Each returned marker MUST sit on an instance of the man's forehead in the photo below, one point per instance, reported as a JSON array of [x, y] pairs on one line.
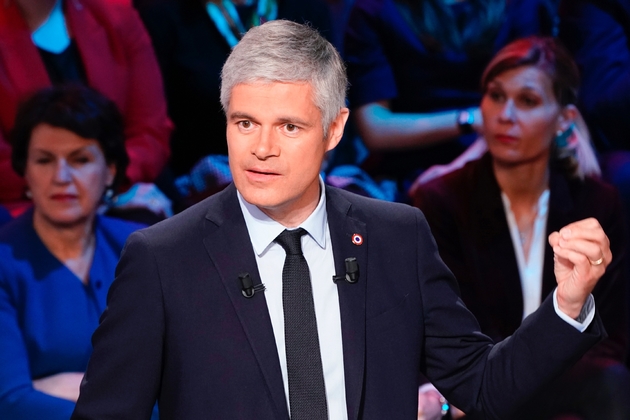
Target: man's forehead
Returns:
[[268, 82], [288, 94]]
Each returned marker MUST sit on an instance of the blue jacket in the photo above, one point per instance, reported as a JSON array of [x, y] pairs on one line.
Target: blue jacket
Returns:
[[47, 315]]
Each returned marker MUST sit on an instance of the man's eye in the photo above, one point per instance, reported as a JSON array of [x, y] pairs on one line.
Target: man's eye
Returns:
[[245, 124], [291, 128]]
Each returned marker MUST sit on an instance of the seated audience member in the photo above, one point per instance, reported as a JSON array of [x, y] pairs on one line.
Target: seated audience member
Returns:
[[57, 259], [99, 43], [192, 39], [491, 219], [597, 32], [414, 67]]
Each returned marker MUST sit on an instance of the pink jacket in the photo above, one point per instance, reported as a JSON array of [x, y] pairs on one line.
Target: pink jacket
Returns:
[[119, 62]]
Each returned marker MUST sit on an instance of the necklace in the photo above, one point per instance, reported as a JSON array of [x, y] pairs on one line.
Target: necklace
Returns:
[[525, 234], [522, 236]]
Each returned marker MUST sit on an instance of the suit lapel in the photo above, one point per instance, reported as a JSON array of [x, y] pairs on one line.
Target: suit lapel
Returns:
[[230, 249], [560, 209], [499, 273], [351, 296]]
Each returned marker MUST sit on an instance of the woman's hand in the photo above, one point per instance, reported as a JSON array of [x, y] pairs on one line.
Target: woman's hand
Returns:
[[62, 385]]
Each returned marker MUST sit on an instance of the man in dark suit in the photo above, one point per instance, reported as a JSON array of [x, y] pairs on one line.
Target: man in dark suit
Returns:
[[180, 328]]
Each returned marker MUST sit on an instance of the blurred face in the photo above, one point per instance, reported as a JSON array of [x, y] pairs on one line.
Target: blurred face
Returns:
[[66, 174], [276, 147], [521, 116]]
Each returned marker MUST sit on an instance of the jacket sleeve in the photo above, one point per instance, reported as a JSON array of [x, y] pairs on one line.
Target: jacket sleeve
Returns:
[[18, 399], [147, 126], [476, 375]]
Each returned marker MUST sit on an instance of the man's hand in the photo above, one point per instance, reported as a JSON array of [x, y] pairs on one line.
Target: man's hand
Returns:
[[581, 255], [62, 385]]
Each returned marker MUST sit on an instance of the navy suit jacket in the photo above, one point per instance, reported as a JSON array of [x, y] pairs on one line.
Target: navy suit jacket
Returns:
[[177, 327]]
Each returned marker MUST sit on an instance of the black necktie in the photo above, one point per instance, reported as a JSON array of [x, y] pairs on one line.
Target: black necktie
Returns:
[[307, 393]]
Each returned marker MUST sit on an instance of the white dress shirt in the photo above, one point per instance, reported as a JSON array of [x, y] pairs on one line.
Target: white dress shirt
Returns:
[[531, 268], [317, 249]]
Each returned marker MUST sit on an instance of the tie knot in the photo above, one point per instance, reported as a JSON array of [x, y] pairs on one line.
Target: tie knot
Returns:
[[291, 241]]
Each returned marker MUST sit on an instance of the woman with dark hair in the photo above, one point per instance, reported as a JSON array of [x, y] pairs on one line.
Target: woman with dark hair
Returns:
[[491, 219], [414, 68], [98, 43], [57, 259]]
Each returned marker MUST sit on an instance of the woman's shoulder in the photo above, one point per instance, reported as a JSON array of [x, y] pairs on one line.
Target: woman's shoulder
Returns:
[[116, 230], [593, 188], [17, 230], [115, 224], [20, 248], [457, 182]]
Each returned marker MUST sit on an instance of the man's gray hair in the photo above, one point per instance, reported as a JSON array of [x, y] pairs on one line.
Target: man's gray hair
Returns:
[[288, 52]]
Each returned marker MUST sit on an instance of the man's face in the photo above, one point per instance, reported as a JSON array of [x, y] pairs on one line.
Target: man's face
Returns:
[[276, 147]]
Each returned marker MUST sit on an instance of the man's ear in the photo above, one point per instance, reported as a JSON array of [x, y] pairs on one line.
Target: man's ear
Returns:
[[335, 130], [567, 117]]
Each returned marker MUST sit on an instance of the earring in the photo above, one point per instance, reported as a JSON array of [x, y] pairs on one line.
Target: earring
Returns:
[[28, 194], [563, 136], [108, 196]]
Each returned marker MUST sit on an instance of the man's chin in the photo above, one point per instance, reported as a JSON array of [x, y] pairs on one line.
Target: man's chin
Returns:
[[262, 198]]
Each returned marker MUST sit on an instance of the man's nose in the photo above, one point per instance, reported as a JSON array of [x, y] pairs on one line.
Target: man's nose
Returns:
[[266, 144]]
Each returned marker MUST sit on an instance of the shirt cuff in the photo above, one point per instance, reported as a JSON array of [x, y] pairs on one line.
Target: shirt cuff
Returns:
[[585, 317]]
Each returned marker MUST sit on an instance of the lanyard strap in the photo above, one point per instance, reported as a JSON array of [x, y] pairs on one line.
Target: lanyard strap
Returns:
[[228, 22]]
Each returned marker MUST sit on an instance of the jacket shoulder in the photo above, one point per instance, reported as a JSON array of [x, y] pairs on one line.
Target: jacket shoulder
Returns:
[[370, 209]]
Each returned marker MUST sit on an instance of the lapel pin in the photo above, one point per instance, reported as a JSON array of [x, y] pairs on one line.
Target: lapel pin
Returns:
[[357, 239]]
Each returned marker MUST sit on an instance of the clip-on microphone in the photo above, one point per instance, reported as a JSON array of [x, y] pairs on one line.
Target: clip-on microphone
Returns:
[[352, 271], [247, 285]]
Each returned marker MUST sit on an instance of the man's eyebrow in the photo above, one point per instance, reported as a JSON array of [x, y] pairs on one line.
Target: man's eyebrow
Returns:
[[295, 120], [237, 115]]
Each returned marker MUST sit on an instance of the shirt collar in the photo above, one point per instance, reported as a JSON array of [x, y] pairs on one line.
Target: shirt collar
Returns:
[[263, 229]]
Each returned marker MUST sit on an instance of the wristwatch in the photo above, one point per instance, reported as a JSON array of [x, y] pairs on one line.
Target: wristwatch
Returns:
[[465, 121]]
